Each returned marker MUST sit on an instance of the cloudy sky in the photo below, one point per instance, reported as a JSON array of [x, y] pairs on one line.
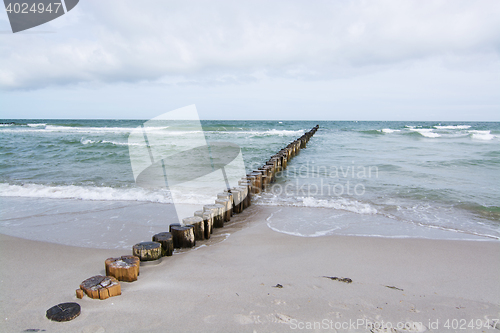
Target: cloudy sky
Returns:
[[317, 60]]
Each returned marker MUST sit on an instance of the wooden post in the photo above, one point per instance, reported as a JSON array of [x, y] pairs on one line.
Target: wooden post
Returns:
[[227, 196], [227, 207], [124, 268], [253, 180], [284, 160], [218, 213], [62, 312], [264, 182], [248, 191], [263, 177], [238, 196], [147, 251], [269, 169], [183, 236], [166, 241], [276, 163], [101, 287], [199, 226], [174, 225], [208, 221], [257, 188]]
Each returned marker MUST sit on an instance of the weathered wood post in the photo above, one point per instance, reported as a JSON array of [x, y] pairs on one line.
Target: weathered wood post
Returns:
[[247, 185], [166, 241], [208, 221], [226, 210], [218, 213], [276, 164], [124, 268], [227, 196], [296, 149], [101, 287], [284, 159], [147, 251], [183, 236], [258, 181], [238, 197], [269, 168], [173, 225], [303, 141], [289, 147], [265, 178], [289, 151], [253, 180], [198, 226], [264, 181]]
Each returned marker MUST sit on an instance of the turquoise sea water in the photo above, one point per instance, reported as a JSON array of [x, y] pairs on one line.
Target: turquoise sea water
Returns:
[[414, 174]]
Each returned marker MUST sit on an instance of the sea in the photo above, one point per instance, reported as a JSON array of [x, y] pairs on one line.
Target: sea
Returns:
[[71, 181]]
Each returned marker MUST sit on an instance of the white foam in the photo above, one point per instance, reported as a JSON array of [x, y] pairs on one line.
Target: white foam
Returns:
[[117, 130], [89, 130], [298, 234], [272, 132], [427, 132], [89, 141], [83, 193], [340, 204], [482, 135], [453, 127], [5, 125], [123, 143], [55, 128], [388, 130]]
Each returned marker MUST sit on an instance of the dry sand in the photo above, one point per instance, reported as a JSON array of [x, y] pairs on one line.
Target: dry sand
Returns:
[[230, 286]]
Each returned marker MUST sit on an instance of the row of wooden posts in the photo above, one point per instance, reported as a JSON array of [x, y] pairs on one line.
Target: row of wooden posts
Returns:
[[196, 228]]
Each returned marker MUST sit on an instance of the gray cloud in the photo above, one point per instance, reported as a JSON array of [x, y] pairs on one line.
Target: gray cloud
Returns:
[[227, 42]]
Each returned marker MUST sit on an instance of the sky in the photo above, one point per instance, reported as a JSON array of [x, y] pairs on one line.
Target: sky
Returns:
[[281, 60]]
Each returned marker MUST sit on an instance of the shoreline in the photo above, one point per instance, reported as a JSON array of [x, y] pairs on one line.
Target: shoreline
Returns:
[[121, 224], [230, 285]]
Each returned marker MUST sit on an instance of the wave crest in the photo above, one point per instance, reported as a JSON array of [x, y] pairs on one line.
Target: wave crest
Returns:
[[83, 193]]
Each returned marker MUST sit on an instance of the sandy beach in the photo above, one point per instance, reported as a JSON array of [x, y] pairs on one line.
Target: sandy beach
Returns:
[[253, 279], [357, 142]]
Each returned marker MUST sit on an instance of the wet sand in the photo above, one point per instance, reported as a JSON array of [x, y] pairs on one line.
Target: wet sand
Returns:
[[253, 279]]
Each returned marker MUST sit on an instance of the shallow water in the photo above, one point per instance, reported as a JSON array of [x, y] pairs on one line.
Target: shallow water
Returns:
[[386, 178]]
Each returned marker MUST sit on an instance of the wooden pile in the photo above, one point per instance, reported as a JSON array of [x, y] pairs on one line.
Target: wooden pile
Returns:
[[100, 287], [124, 268]]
